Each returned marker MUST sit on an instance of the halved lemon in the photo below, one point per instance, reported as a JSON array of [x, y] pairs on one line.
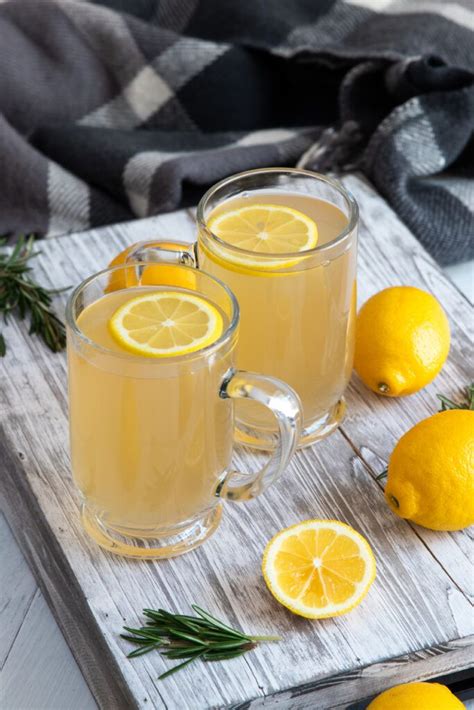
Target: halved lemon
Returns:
[[166, 323], [319, 568], [264, 229]]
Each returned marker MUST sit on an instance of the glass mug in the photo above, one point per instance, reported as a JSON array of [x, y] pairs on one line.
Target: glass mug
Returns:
[[152, 438], [297, 309]]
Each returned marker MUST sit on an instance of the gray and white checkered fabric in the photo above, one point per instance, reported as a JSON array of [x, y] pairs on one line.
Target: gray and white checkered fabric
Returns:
[[117, 109]]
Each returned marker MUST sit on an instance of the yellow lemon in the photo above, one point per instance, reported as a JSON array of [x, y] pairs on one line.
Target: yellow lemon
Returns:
[[319, 568], [417, 696], [153, 275], [263, 229], [402, 341], [431, 472], [166, 323]]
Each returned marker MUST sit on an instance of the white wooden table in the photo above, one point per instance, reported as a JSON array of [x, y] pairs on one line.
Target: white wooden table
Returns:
[[38, 669]]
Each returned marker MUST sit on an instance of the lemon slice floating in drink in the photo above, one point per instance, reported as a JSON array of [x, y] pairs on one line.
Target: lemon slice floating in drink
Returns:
[[263, 229], [166, 323], [319, 568]]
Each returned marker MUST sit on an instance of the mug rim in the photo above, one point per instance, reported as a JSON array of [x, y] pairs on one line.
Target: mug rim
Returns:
[[283, 256], [225, 336]]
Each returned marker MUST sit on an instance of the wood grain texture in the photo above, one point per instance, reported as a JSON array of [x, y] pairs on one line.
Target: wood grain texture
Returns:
[[389, 255], [16, 591], [41, 646], [417, 619]]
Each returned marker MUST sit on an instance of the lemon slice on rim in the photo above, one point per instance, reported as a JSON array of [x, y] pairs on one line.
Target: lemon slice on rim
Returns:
[[166, 323], [319, 568], [263, 229]]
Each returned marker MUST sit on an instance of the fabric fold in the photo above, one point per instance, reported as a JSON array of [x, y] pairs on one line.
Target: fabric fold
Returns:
[[116, 109]]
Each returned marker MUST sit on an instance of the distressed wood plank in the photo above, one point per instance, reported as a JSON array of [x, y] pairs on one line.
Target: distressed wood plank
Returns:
[[406, 616], [324, 489], [390, 255], [338, 692], [16, 594], [462, 275], [41, 652], [47, 407]]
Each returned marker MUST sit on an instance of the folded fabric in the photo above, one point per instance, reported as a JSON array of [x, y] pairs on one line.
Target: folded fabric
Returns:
[[126, 108]]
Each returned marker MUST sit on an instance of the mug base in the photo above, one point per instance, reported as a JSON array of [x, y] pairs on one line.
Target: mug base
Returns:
[[312, 432], [144, 545]]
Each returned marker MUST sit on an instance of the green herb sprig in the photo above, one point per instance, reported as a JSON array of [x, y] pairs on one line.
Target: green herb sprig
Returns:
[[178, 636], [467, 403], [20, 294]]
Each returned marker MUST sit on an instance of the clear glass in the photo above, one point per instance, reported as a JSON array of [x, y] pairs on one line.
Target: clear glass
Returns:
[[152, 439], [297, 309]]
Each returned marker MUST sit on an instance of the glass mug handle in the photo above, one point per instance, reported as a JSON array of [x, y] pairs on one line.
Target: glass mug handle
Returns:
[[285, 405], [278, 397], [164, 251]]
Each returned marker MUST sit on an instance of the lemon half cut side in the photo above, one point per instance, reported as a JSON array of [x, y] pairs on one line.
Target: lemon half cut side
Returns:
[[319, 568]]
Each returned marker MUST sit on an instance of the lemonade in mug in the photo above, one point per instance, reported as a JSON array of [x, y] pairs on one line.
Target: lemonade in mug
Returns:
[[285, 242], [151, 390]]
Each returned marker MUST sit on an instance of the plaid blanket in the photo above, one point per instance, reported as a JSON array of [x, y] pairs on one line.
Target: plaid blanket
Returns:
[[126, 108]]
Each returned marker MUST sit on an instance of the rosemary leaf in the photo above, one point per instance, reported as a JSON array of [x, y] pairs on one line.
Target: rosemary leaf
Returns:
[[143, 650], [179, 653], [179, 666], [188, 637], [224, 656], [227, 645], [20, 293], [216, 623], [466, 403], [132, 639], [146, 634]]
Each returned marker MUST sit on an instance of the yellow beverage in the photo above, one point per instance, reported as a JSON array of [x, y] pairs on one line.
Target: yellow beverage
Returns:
[[151, 389], [297, 310], [149, 440]]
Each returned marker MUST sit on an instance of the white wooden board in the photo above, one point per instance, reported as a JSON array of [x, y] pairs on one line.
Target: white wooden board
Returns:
[[416, 621]]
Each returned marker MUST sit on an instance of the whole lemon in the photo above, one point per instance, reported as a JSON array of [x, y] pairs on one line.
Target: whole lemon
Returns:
[[402, 340], [417, 696], [431, 472], [161, 274]]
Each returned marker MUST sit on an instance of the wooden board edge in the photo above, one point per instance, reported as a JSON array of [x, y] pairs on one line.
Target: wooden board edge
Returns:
[[46, 559], [98, 665], [346, 690]]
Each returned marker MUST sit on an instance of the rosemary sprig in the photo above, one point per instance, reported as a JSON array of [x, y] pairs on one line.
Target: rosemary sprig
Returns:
[[467, 403], [20, 294], [178, 636]]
